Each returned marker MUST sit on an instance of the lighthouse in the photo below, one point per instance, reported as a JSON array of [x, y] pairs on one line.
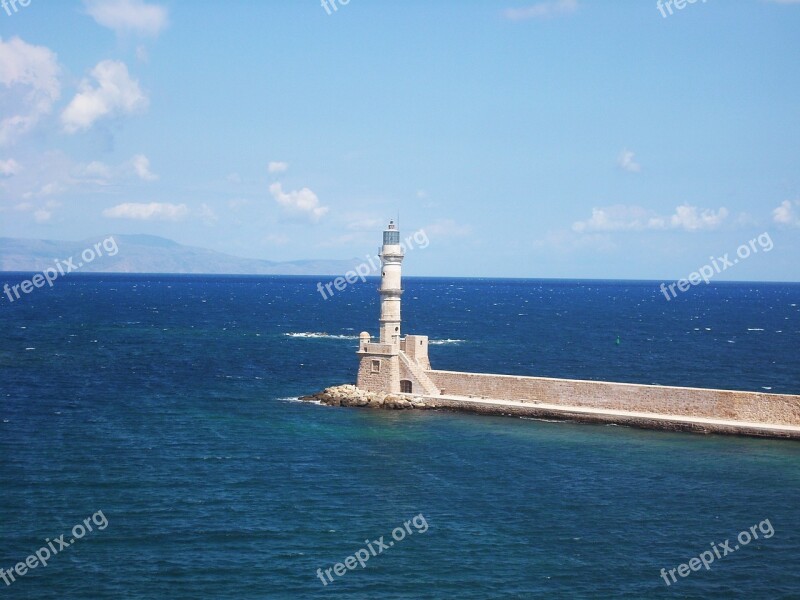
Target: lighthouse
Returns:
[[393, 364], [391, 288]]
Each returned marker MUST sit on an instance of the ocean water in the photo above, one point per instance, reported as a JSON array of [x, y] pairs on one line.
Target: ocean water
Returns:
[[166, 407]]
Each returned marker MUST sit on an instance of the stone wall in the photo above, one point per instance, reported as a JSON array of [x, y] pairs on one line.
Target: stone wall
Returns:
[[416, 348], [694, 402], [386, 380]]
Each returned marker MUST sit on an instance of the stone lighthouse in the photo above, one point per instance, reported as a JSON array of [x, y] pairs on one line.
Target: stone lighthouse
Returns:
[[393, 364], [391, 290]]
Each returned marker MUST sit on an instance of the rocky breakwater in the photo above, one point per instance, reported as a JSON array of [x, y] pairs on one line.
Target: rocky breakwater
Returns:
[[350, 395]]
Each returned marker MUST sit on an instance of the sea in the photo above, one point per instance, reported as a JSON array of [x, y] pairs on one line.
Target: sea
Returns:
[[152, 441]]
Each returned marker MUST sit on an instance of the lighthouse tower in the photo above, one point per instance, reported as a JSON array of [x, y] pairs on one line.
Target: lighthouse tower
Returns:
[[393, 364], [391, 289]]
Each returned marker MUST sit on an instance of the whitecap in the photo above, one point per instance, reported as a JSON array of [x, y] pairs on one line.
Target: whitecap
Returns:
[[297, 399], [321, 335]]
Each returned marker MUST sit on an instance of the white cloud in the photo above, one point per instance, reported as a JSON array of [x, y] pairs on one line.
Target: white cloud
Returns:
[[627, 162], [115, 93], [42, 214], [277, 167], [96, 170], [128, 16], [688, 218], [100, 173], [9, 167], [30, 85], [785, 214], [141, 166], [542, 10], [154, 211], [300, 201], [51, 189], [619, 218], [635, 218]]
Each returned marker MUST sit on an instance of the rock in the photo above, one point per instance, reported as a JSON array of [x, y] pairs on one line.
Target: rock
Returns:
[[350, 395]]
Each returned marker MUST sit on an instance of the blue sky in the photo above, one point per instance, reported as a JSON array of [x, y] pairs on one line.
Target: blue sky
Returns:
[[563, 138]]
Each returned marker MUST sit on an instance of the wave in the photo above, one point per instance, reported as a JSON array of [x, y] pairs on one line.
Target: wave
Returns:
[[754, 329], [444, 342], [321, 335], [297, 399]]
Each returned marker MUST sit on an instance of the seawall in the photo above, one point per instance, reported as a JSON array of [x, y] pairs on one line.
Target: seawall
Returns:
[[727, 405], [695, 410]]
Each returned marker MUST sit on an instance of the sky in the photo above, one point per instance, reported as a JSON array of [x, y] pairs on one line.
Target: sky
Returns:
[[614, 139]]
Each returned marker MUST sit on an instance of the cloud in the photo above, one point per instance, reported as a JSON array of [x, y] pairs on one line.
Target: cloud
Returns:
[[128, 16], [627, 162], [29, 85], [688, 218], [300, 201], [542, 10], [141, 166], [278, 167], [635, 218], [99, 173], [785, 214], [9, 167], [154, 211], [114, 94], [42, 214]]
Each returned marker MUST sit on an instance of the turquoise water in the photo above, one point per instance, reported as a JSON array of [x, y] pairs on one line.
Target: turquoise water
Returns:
[[168, 403]]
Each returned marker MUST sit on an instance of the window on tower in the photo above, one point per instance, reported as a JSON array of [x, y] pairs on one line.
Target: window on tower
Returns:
[[376, 366]]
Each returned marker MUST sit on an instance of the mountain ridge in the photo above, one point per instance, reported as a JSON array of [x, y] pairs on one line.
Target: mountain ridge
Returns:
[[143, 253]]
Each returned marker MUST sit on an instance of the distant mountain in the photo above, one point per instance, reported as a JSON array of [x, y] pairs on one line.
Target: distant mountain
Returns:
[[152, 254]]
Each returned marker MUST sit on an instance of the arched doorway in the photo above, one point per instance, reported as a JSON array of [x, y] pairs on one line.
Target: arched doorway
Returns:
[[405, 386]]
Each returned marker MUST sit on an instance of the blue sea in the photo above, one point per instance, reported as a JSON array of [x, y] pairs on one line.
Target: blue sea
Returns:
[[165, 408]]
